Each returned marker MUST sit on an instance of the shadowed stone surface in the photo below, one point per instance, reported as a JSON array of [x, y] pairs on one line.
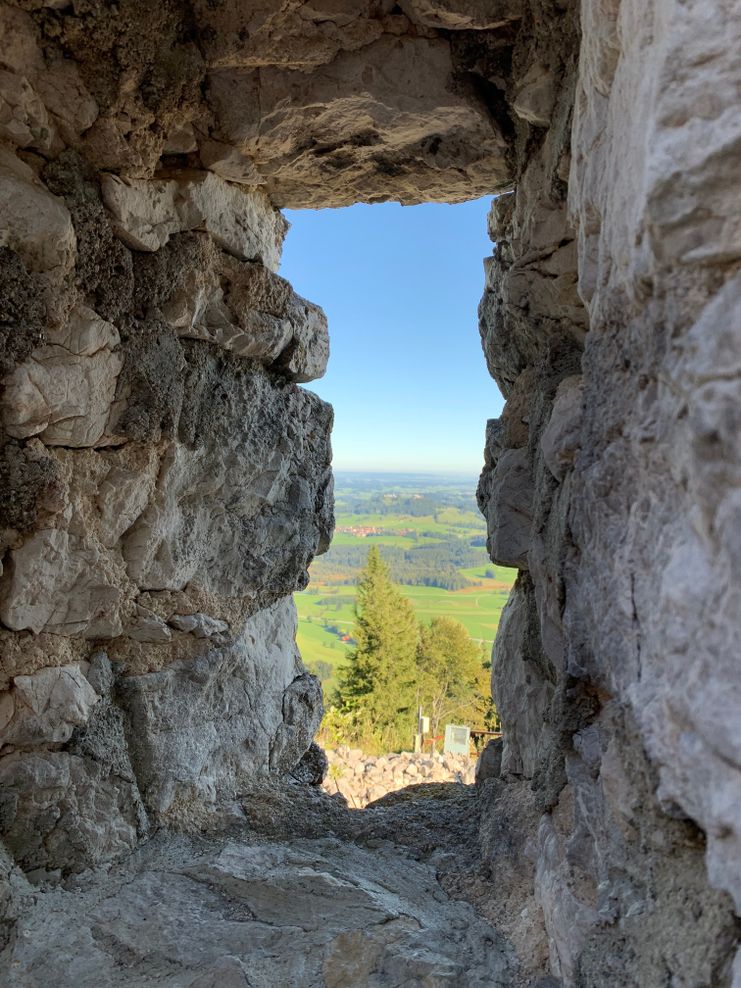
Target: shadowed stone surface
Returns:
[[201, 727], [346, 910]]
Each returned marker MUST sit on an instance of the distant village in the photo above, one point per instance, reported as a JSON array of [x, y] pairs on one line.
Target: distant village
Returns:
[[364, 531]]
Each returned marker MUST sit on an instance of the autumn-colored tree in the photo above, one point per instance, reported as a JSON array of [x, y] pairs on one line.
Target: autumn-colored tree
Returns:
[[452, 678]]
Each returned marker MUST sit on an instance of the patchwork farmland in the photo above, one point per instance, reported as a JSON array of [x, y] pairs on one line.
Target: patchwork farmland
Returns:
[[429, 531]]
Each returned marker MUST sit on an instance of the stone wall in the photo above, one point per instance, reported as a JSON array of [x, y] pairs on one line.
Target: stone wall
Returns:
[[610, 482], [361, 779], [167, 481]]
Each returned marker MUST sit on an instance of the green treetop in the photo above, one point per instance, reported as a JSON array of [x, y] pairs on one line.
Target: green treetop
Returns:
[[451, 675], [378, 686]]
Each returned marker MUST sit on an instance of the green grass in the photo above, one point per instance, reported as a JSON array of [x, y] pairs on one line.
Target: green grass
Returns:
[[318, 645], [477, 609], [459, 519], [501, 573], [478, 612], [324, 646], [316, 603]]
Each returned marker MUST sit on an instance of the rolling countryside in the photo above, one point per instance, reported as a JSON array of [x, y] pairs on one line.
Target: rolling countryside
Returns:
[[430, 532]]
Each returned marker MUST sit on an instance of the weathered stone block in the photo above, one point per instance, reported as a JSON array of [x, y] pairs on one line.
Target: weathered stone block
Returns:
[[247, 309], [561, 438], [34, 223], [60, 811], [521, 689], [508, 506], [456, 15], [64, 392], [201, 728], [333, 137], [243, 222], [45, 707]]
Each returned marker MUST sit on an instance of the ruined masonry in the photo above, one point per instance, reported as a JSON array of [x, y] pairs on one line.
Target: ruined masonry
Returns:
[[166, 481]]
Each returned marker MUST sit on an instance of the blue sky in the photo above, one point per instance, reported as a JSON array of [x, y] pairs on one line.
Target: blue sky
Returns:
[[400, 286]]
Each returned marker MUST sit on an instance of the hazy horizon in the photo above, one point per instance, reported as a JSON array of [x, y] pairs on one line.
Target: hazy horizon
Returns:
[[408, 473], [407, 377]]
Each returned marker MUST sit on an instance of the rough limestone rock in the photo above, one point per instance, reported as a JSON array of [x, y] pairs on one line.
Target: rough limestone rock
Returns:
[[316, 103], [455, 16], [63, 584], [15, 894], [535, 95], [525, 694], [69, 795], [201, 626], [185, 756], [313, 767], [45, 707], [247, 309], [560, 439], [299, 141], [64, 392], [24, 120], [239, 496], [63, 812], [509, 815], [489, 762], [35, 224], [601, 651], [215, 501], [166, 483], [242, 222], [506, 502], [43, 101], [314, 912]]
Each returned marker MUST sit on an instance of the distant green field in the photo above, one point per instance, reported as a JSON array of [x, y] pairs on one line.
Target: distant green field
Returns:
[[327, 608], [446, 521], [478, 611], [483, 572], [346, 538]]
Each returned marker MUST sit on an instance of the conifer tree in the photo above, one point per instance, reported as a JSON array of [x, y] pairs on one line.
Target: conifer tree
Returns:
[[379, 683]]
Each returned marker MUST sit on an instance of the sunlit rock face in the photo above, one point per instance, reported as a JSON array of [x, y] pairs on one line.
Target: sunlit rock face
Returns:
[[315, 103], [167, 481], [614, 669]]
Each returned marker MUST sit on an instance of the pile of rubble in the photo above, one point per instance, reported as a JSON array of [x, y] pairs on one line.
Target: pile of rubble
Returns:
[[363, 778]]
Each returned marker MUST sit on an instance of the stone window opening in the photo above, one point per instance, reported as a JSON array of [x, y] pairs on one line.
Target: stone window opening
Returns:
[[167, 481]]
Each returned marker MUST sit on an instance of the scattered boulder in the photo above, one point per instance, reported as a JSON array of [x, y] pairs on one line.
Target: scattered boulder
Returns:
[[489, 762], [313, 767]]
